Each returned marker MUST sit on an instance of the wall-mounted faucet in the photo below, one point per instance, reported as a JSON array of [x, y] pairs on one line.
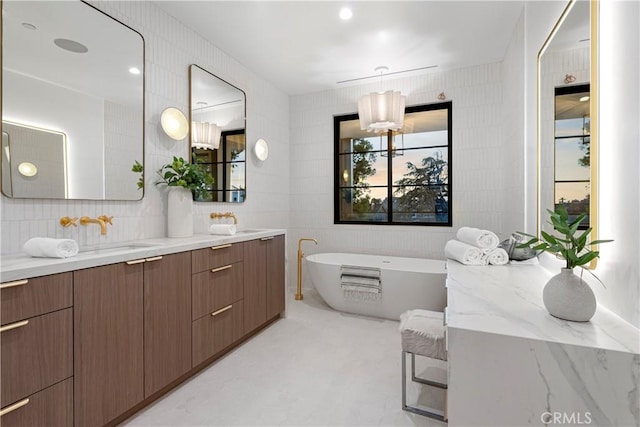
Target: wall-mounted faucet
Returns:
[[215, 215], [66, 221], [300, 256], [102, 220]]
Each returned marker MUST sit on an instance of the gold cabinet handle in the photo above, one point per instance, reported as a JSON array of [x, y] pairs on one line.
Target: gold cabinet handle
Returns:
[[13, 284], [222, 310], [136, 261], [14, 326], [13, 407], [228, 245], [226, 267], [154, 258], [267, 238]]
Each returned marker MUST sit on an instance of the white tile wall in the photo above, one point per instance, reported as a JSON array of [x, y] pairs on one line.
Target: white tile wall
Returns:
[[170, 48], [480, 180]]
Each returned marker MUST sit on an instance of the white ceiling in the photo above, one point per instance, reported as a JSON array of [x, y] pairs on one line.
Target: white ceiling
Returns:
[[303, 46]]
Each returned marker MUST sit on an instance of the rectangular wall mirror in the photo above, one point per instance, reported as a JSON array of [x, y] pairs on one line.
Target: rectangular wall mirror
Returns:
[[567, 118], [218, 133], [69, 69]]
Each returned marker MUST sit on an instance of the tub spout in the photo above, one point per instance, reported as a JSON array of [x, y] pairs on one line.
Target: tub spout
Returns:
[[300, 256]]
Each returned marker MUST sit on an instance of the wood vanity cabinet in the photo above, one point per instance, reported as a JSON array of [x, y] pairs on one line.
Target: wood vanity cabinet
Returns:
[[167, 320], [217, 299], [108, 342], [264, 281], [37, 351]]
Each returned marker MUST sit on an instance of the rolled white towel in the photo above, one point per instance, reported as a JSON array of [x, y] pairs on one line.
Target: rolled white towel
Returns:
[[225, 229], [464, 253], [483, 239], [45, 247], [498, 256]]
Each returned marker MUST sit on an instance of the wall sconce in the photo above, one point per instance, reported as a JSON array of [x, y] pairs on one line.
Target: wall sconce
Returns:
[[27, 169], [261, 149], [205, 135], [381, 111], [174, 123]]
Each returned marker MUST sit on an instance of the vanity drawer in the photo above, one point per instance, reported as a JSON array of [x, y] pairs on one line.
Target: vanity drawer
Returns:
[[52, 407], [26, 298], [216, 288], [36, 353], [216, 331], [216, 256]]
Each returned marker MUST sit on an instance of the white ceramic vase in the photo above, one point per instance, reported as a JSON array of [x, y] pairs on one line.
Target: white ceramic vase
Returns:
[[179, 212], [569, 297]]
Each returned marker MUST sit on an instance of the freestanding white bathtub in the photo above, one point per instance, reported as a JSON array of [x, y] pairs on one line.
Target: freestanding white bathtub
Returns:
[[407, 283]]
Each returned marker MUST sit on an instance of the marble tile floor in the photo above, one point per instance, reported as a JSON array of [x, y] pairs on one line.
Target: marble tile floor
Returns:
[[316, 367]]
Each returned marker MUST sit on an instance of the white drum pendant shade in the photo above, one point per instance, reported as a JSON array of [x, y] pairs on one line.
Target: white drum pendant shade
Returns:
[[381, 111]]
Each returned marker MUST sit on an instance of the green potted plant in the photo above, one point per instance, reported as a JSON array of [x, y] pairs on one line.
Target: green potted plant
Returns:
[[566, 295], [184, 181]]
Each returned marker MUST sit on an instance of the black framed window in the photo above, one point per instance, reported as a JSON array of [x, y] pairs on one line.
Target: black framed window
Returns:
[[396, 177], [572, 186]]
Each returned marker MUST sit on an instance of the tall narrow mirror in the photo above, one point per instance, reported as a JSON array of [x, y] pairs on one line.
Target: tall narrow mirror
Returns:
[[72, 102], [218, 134], [567, 118]]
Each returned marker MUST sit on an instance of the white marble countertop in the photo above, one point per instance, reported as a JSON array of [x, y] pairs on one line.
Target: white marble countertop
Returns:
[[16, 267], [507, 300]]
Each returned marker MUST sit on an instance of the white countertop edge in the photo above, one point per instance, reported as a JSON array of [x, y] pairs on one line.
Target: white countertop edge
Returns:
[[517, 310], [17, 267]]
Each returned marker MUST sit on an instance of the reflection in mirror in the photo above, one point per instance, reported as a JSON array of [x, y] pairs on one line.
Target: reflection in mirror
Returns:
[[567, 143], [218, 134], [72, 70]]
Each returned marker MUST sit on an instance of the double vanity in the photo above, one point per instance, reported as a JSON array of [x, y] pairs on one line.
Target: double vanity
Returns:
[[90, 340]]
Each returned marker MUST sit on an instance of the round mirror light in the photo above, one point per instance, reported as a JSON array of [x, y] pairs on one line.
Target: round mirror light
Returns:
[[174, 123], [261, 149], [27, 169]]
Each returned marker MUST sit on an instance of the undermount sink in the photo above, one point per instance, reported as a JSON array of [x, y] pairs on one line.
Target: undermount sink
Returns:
[[115, 247], [250, 230]]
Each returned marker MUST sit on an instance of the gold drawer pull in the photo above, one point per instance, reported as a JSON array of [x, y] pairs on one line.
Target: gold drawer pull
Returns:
[[13, 407], [267, 238], [154, 258], [226, 267], [14, 326], [136, 261], [222, 310], [228, 245], [13, 284]]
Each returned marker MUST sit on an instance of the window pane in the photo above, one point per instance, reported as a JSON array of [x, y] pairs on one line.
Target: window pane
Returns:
[[356, 205], [421, 204], [574, 196], [572, 159], [362, 170], [427, 166], [235, 176], [236, 196]]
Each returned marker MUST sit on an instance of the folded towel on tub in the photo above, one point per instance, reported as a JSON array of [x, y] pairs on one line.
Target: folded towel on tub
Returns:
[[482, 239], [498, 256], [45, 247], [464, 253]]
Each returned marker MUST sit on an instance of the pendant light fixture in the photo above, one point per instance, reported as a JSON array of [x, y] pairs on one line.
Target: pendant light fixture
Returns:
[[205, 135], [381, 111]]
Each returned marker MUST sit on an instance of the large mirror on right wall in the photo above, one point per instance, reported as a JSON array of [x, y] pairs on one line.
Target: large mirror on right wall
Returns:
[[567, 118]]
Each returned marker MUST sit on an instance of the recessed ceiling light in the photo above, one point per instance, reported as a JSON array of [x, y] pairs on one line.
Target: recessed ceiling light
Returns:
[[134, 70], [71, 45], [345, 13], [28, 26], [27, 169], [584, 98]]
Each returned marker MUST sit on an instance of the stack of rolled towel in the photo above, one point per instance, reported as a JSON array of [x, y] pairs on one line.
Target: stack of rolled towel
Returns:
[[476, 247]]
